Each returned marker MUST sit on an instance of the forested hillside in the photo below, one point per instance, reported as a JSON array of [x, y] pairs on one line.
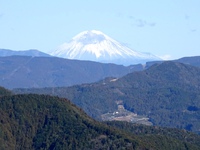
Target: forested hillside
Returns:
[[45, 122], [167, 93]]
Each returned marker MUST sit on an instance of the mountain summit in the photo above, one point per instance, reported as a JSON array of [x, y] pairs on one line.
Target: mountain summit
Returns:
[[96, 46]]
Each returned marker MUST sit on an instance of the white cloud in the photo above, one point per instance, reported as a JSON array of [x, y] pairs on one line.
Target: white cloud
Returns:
[[166, 57]]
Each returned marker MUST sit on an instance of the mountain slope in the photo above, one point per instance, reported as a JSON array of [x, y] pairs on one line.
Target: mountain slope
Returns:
[[155, 131], [193, 61], [167, 93], [34, 53], [29, 72], [45, 122], [96, 46]]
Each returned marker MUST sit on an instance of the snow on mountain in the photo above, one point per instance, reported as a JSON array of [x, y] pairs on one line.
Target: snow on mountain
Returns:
[[96, 46]]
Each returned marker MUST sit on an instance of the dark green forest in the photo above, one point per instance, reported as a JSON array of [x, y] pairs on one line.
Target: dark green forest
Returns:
[[31, 121], [168, 93], [45, 122]]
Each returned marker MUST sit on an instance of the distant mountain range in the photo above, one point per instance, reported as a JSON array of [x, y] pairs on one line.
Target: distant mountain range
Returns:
[[30, 72], [31, 52], [38, 72], [165, 93], [96, 46], [168, 93], [193, 60]]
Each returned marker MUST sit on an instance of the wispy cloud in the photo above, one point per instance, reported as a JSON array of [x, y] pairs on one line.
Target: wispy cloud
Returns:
[[152, 24], [120, 15], [141, 22], [131, 17], [189, 23], [138, 22], [187, 17], [1, 15], [193, 30]]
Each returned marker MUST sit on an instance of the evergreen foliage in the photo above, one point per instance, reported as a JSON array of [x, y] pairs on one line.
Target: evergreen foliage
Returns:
[[168, 93], [155, 131], [4, 92], [45, 122]]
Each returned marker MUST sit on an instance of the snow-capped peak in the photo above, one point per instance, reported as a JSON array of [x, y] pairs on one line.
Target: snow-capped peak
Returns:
[[86, 33], [96, 46]]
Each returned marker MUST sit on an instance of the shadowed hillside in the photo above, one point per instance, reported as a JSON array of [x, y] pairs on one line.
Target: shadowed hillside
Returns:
[[167, 93], [45, 122], [29, 72]]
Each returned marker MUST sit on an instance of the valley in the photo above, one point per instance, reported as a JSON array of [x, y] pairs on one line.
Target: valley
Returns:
[[124, 115], [100, 75], [163, 92], [159, 102], [32, 121]]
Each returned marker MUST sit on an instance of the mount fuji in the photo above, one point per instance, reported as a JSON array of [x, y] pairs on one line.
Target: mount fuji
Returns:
[[96, 46]]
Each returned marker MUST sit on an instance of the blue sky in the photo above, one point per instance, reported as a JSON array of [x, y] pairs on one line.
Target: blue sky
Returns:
[[168, 28]]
